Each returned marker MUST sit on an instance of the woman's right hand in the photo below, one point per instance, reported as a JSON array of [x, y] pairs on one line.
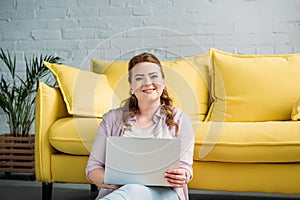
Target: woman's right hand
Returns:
[[97, 178]]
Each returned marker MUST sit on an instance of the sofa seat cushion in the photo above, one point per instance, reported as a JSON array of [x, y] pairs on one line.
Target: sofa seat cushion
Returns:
[[248, 142], [73, 135]]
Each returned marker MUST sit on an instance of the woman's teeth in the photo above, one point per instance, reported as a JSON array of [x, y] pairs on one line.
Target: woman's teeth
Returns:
[[149, 90]]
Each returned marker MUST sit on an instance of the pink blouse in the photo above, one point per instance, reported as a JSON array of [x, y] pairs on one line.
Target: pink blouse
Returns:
[[112, 125]]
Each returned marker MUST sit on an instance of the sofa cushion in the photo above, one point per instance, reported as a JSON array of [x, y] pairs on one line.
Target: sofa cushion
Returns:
[[296, 111], [186, 80], [254, 87], [248, 142], [85, 93], [74, 135]]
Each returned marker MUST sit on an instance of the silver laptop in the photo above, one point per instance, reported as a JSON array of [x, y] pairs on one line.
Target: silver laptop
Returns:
[[140, 160]]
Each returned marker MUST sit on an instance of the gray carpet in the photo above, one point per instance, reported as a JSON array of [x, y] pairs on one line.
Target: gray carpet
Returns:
[[25, 188]]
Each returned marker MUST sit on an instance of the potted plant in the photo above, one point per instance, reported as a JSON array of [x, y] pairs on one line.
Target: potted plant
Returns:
[[17, 102]]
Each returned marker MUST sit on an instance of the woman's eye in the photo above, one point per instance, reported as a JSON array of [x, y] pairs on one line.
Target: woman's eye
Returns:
[[154, 76], [138, 79]]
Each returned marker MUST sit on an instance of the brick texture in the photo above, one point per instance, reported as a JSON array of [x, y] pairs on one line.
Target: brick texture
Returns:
[[118, 29]]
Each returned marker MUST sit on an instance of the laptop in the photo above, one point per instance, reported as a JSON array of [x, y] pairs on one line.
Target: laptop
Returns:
[[140, 160]]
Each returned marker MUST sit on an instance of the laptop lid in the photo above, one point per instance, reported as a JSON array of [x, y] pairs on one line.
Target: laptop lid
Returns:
[[140, 160]]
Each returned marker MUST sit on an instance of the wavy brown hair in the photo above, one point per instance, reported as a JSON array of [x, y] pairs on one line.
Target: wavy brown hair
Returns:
[[130, 105]]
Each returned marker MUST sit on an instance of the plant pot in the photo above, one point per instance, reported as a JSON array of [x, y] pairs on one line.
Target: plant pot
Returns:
[[17, 154]]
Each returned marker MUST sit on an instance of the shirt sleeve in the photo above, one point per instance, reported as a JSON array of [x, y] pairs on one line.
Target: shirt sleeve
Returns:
[[97, 155], [187, 137]]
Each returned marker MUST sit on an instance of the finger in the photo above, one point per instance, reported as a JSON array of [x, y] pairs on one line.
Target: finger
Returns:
[[175, 183], [176, 180], [178, 171], [175, 171], [111, 186], [116, 186], [175, 176], [180, 182]]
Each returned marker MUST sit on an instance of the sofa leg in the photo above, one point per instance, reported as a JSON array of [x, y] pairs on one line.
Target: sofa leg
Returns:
[[94, 192], [94, 188], [47, 191]]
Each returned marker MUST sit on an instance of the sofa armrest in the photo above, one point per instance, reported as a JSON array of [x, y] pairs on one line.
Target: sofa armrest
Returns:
[[50, 107]]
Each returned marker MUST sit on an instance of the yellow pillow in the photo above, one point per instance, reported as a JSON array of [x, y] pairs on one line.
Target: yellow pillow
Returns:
[[85, 93], [186, 81], [296, 111], [116, 73], [253, 87]]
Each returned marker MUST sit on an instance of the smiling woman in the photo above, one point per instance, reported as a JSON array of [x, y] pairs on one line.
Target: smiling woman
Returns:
[[148, 112], [140, 69]]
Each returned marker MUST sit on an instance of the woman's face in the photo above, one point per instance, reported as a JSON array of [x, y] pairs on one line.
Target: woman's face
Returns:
[[147, 82]]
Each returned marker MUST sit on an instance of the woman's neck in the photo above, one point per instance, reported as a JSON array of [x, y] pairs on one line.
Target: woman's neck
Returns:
[[148, 109], [144, 117]]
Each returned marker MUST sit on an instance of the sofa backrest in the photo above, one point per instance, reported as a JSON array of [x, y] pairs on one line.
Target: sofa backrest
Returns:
[[243, 87]]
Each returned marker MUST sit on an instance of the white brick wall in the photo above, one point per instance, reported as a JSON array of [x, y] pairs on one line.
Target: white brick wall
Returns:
[[120, 28]]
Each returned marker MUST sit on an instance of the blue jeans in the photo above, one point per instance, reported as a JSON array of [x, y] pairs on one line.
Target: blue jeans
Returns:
[[137, 192]]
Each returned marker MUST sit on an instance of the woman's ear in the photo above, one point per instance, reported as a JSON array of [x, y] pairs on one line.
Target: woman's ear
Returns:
[[164, 84]]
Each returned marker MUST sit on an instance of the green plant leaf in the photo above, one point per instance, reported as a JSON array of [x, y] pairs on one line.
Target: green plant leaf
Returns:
[[17, 95]]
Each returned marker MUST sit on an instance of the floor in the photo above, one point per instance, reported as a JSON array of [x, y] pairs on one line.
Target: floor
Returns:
[[13, 187]]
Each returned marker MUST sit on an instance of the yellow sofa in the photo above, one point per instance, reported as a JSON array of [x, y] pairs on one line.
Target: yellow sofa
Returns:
[[240, 107]]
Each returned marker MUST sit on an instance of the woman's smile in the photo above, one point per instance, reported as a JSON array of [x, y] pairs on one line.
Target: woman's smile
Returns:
[[148, 90]]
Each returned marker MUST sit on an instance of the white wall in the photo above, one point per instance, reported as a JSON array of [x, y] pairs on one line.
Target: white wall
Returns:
[[118, 29]]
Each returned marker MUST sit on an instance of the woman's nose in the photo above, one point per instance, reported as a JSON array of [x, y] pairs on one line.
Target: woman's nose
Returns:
[[147, 81]]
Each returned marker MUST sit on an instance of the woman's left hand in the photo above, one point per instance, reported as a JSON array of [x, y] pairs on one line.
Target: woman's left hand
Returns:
[[177, 177]]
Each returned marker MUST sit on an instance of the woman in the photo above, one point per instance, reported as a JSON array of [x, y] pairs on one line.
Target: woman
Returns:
[[147, 113]]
